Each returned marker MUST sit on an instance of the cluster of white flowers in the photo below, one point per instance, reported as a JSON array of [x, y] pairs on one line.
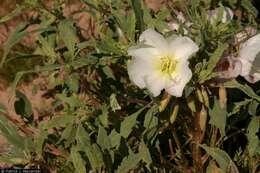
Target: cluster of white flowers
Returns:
[[163, 63]]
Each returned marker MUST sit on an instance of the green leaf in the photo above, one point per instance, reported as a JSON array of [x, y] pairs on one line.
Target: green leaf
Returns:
[[77, 161], [207, 73], [128, 123], [91, 3], [10, 132], [108, 44], [113, 103], [129, 26], [238, 106], [46, 48], [68, 134], [23, 106], [98, 155], [212, 168], [103, 118], [252, 108], [245, 88], [93, 152], [14, 38], [108, 72], [249, 7], [83, 136], [151, 120], [68, 34], [2, 108], [222, 158], [73, 82], [145, 153], [102, 139], [81, 62], [128, 163], [17, 78], [72, 101], [39, 140], [60, 121], [137, 6], [218, 117], [13, 160], [253, 141], [115, 138], [12, 14]]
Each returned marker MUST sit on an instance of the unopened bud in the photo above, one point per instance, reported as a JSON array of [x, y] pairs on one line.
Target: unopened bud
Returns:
[[222, 96], [203, 118], [164, 102], [174, 113]]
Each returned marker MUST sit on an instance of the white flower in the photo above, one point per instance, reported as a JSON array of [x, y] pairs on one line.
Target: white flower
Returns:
[[160, 63], [250, 59], [226, 16]]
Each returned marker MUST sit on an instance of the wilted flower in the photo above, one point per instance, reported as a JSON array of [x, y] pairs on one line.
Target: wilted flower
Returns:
[[160, 63], [226, 16], [229, 66], [247, 64]]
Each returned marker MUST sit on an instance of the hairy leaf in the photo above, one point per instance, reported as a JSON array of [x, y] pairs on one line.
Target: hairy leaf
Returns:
[[77, 161], [245, 88], [222, 158], [128, 123], [14, 38], [68, 35], [253, 140], [10, 132], [218, 117]]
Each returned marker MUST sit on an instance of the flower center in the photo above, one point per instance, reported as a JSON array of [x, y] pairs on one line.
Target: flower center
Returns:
[[167, 65]]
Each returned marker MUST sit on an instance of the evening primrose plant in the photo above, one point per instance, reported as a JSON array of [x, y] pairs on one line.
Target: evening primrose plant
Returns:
[[132, 86]]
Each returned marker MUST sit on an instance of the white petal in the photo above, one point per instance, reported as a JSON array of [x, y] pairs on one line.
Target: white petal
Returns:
[[246, 67], [155, 83], [253, 78], [137, 70], [254, 74], [250, 48], [176, 86], [155, 39], [145, 53], [183, 47]]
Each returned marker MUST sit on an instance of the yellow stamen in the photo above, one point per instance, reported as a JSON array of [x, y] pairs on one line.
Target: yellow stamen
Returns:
[[167, 65]]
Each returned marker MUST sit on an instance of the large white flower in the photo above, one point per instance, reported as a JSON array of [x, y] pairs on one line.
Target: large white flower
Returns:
[[159, 63]]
